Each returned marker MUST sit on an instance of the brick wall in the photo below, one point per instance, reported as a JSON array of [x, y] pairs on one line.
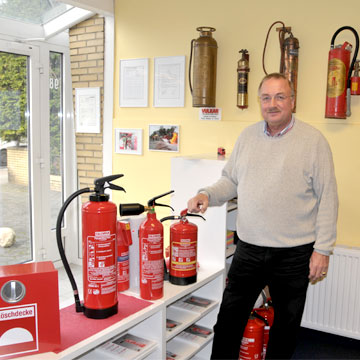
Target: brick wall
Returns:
[[87, 70], [18, 165]]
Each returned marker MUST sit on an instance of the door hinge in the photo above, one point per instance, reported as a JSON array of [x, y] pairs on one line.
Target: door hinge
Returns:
[[40, 67], [41, 162], [43, 253]]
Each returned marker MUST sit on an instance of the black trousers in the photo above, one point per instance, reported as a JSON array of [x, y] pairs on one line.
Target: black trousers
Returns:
[[285, 271]]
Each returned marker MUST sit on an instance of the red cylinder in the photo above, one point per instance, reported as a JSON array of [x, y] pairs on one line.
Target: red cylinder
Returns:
[[151, 247], [268, 315], [99, 258], [338, 69], [183, 252], [253, 338], [355, 85], [124, 240]]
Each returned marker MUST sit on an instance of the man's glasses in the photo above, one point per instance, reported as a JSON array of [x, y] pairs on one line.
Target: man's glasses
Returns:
[[266, 99]]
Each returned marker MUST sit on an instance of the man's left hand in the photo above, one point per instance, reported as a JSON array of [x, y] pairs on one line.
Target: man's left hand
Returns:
[[319, 265]]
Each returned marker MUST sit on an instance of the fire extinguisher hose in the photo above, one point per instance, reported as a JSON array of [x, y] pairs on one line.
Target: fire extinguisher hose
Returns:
[[78, 306], [355, 52], [266, 40]]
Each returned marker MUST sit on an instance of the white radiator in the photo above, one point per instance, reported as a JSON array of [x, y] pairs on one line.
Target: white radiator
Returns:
[[333, 304]]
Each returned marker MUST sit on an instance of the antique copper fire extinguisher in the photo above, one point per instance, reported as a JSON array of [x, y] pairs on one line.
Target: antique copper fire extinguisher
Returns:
[[339, 77], [289, 58], [203, 87], [183, 249], [243, 79]]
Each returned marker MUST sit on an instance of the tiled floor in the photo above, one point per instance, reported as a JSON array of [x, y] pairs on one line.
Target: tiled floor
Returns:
[[66, 295]]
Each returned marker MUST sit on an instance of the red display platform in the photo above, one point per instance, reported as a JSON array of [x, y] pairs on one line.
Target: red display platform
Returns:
[[75, 327]]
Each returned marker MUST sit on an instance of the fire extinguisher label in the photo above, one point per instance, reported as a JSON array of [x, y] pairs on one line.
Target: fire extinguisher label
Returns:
[[336, 78], [183, 257], [152, 266], [101, 262], [242, 83]]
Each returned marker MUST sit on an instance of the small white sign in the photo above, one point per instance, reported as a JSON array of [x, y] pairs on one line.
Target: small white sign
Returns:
[[210, 113]]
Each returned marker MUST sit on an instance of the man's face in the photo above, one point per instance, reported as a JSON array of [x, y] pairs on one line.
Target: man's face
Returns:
[[276, 103]]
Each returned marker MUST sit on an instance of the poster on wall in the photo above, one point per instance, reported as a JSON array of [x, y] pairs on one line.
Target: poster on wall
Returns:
[[169, 81], [87, 105], [134, 82], [164, 138], [128, 141]]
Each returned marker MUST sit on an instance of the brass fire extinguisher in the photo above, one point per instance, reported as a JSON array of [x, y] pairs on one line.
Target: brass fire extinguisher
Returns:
[[289, 48], [338, 91], [203, 89], [243, 71]]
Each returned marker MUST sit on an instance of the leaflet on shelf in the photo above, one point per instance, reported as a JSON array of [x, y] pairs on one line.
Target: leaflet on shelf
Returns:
[[171, 324], [196, 334], [126, 347], [194, 303]]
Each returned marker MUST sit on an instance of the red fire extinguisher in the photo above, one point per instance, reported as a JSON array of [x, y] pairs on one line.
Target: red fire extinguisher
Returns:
[[339, 77], [183, 249], [355, 79], [151, 248], [266, 313], [124, 240], [99, 250], [253, 338]]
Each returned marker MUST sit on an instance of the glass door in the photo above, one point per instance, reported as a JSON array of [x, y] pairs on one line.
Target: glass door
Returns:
[[18, 108]]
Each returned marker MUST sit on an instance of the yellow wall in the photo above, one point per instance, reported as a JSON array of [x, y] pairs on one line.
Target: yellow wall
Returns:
[[154, 28]]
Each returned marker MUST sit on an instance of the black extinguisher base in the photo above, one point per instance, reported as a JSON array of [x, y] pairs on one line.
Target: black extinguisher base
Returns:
[[181, 280], [101, 313]]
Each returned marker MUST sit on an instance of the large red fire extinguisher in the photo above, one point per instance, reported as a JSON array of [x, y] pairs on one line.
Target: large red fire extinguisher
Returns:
[[253, 338], [289, 55], [99, 250], [204, 52], [339, 77], [243, 80], [183, 249], [124, 240], [151, 248]]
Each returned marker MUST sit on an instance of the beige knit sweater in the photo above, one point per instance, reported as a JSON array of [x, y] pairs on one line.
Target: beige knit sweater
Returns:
[[286, 188]]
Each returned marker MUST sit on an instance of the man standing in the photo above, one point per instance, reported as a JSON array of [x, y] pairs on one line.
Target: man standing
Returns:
[[282, 173]]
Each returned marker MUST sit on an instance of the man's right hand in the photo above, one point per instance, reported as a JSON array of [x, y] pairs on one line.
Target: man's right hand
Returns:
[[198, 203]]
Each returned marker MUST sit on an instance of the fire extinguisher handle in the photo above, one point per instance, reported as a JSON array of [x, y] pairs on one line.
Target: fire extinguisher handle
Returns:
[[196, 215], [100, 182], [152, 202]]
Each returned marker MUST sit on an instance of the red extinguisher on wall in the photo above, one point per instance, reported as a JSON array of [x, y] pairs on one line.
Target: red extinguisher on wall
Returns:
[[183, 249], [355, 79], [151, 247], [99, 250], [339, 77], [124, 240]]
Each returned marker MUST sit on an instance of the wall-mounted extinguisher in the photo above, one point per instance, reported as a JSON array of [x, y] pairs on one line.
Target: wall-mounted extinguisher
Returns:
[[124, 240], [183, 249], [339, 77], [253, 338], [355, 79], [243, 79], [203, 87], [289, 55], [151, 247], [99, 250]]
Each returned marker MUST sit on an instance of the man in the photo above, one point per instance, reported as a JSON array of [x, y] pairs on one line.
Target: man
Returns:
[[281, 171]]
